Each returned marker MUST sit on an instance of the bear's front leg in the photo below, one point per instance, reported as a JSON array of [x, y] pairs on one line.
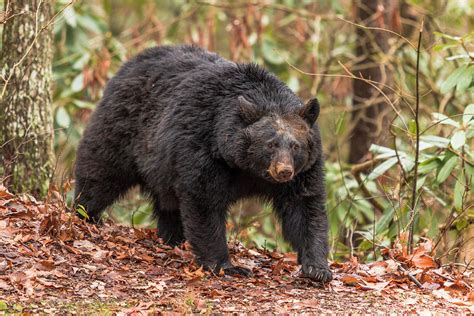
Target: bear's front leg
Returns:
[[305, 226], [205, 229]]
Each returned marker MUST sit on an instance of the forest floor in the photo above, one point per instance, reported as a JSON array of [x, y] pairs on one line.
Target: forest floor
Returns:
[[51, 262]]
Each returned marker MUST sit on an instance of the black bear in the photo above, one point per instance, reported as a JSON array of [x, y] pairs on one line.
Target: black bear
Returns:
[[197, 132]]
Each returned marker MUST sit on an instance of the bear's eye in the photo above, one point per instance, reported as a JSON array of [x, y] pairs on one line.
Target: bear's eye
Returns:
[[272, 145], [296, 146]]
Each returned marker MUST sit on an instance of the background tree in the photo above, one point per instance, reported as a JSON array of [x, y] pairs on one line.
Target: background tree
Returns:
[[26, 136], [369, 117]]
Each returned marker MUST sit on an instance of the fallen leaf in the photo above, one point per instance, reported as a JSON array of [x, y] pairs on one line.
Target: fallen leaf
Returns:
[[431, 286], [374, 286], [199, 273], [4, 285], [49, 283], [350, 280], [470, 296], [423, 261], [4, 194], [84, 244], [100, 255], [377, 270], [45, 265]]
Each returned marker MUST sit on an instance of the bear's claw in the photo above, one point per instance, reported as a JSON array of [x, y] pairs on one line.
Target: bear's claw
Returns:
[[236, 270], [323, 275]]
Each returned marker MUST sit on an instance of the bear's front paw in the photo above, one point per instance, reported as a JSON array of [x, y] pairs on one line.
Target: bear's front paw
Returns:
[[236, 270], [321, 274]]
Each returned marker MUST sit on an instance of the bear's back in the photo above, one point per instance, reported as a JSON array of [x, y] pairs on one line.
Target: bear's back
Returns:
[[169, 61]]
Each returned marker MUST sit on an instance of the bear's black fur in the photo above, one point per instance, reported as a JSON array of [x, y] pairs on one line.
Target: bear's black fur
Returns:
[[197, 133]]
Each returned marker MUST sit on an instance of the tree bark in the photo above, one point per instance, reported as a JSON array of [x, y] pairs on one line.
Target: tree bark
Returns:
[[26, 130], [369, 116]]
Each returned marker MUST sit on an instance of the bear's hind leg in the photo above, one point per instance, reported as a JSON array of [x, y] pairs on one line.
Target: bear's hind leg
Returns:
[[170, 226], [205, 229]]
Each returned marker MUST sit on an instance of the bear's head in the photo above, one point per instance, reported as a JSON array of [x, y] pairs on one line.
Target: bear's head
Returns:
[[278, 146]]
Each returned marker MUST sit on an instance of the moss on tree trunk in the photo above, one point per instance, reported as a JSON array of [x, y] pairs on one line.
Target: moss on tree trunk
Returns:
[[26, 132]]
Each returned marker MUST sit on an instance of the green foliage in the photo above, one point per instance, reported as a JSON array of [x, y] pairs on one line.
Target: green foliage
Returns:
[[82, 211], [445, 177]]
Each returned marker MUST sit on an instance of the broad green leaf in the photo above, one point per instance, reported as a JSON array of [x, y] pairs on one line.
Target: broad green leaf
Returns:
[[470, 175], [468, 113], [428, 165], [437, 141], [340, 123], [458, 140], [78, 83], [420, 182], [468, 36], [84, 104], [407, 163], [81, 62], [367, 209], [382, 168], [386, 155], [95, 25], [70, 16], [62, 117], [464, 80], [469, 153], [82, 211], [440, 47], [294, 83], [383, 222], [461, 224], [446, 169], [443, 119], [470, 133], [424, 145], [452, 79], [458, 193], [376, 149], [454, 57], [412, 127], [451, 37], [3, 306]]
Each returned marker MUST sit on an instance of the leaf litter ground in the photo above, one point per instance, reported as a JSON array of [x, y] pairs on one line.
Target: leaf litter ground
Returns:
[[53, 262]]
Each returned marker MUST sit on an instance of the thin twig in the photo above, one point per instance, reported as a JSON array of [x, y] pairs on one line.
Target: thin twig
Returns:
[[417, 149], [411, 277], [451, 279], [373, 28]]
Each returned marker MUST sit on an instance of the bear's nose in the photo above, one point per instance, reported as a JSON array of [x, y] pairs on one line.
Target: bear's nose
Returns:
[[284, 172]]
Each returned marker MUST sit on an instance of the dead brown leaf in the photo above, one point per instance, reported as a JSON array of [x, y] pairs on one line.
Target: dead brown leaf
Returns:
[[423, 261], [350, 280]]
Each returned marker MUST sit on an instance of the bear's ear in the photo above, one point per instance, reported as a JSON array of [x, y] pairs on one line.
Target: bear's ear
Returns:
[[310, 111], [248, 110]]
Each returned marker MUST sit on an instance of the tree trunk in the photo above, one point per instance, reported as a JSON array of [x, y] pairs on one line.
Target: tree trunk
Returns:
[[369, 117], [26, 131]]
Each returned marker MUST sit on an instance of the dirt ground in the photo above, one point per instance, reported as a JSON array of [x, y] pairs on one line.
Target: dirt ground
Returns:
[[51, 262]]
